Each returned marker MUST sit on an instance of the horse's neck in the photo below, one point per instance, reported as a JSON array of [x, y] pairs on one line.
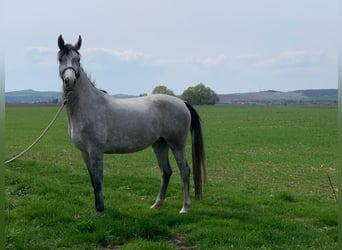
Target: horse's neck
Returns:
[[81, 96]]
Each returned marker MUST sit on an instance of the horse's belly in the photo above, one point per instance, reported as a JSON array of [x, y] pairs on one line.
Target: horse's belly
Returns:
[[129, 145], [123, 150], [132, 134]]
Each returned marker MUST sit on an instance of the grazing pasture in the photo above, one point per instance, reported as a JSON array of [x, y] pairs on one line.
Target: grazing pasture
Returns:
[[267, 186]]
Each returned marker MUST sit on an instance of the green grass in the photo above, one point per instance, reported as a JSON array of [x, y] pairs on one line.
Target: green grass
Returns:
[[267, 186]]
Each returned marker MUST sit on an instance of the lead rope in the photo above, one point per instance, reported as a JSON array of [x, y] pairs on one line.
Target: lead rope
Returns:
[[40, 137]]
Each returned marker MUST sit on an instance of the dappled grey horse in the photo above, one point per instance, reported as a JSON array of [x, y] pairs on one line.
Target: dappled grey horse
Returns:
[[99, 123]]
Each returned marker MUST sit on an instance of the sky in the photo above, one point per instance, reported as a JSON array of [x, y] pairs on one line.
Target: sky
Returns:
[[132, 46]]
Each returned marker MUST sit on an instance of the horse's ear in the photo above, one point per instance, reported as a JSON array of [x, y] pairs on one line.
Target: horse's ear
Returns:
[[77, 45], [60, 42]]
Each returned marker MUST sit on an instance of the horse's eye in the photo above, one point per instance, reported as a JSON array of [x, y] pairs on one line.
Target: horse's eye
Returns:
[[75, 60]]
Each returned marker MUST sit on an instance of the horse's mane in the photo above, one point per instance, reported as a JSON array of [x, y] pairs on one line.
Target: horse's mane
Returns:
[[92, 81]]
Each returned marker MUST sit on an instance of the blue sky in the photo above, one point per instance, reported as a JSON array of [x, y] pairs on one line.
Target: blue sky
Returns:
[[132, 46]]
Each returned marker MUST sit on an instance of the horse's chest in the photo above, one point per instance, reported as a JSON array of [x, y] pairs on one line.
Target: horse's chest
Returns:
[[76, 137]]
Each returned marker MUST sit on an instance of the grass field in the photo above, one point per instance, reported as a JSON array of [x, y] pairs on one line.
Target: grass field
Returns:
[[267, 186]]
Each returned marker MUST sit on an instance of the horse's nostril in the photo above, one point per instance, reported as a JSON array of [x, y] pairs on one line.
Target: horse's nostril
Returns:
[[66, 83], [74, 81]]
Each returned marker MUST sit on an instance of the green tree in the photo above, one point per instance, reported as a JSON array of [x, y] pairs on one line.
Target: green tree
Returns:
[[161, 89], [200, 95]]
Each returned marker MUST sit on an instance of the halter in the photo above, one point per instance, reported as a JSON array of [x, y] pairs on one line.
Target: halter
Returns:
[[77, 74]]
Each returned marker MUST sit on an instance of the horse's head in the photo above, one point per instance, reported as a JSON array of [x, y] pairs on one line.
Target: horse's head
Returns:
[[69, 62]]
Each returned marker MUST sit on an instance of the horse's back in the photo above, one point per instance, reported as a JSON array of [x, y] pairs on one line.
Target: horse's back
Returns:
[[159, 104]]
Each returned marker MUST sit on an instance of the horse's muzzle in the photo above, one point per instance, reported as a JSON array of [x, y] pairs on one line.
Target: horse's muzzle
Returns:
[[69, 83]]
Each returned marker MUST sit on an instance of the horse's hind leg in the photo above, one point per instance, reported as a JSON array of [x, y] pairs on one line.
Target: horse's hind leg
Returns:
[[185, 175], [94, 162], [161, 150]]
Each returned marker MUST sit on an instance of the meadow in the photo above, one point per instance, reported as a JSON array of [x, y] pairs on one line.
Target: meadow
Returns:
[[267, 186]]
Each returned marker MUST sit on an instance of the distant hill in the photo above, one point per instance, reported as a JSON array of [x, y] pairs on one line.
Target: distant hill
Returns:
[[30, 96], [269, 97], [297, 97], [123, 96]]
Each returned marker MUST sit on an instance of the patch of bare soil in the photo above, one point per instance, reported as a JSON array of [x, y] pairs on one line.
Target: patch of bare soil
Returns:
[[179, 241]]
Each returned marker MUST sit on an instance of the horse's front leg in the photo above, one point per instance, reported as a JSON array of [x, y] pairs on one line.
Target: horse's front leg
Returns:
[[94, 162]]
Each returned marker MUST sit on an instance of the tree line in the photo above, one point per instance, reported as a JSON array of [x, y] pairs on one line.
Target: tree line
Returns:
[[196, 95]]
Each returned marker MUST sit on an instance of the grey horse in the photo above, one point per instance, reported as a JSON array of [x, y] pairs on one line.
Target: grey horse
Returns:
[[99, 124]]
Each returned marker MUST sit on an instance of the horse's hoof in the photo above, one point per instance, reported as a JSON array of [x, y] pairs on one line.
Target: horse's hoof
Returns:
[[156, 205], [183, 210], [99, 209]]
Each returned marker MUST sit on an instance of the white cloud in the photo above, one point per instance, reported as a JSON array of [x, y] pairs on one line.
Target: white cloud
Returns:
[[212, 61], [248, 57], [126, 55], [41, 55], [41, 50], [293, 59], [301, 58], [297, 59]]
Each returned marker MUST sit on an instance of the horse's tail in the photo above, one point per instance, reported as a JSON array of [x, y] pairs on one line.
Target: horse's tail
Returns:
[[198, 156]]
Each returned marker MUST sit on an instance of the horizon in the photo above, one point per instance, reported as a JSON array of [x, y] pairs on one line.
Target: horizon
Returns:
[[136, 95]]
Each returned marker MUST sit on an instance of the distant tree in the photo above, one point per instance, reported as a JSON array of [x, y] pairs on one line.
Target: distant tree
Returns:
[[55, 100], [200, 95], [143, 94], [161, 89]]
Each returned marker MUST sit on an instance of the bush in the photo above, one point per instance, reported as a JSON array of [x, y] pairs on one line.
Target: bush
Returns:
[[200, 95], [161, 89]]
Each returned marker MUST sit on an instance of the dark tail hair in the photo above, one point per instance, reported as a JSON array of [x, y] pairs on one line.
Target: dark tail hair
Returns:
[[198, 156]]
